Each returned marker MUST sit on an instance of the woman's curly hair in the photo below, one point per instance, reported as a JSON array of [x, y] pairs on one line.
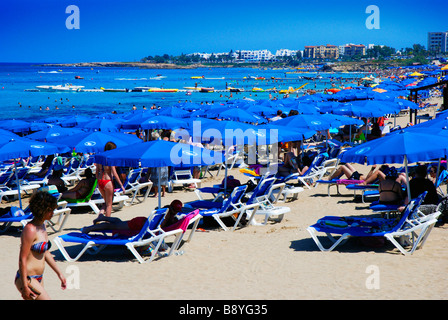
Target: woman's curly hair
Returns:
[[41, 202]]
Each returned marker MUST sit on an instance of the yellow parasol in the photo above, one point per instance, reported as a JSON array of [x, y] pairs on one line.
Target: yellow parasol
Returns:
[[416, 74], [445, 67], [379, 90]]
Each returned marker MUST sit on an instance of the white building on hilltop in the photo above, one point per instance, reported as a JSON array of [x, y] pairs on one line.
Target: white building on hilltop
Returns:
[[256, 55], [285, 53]]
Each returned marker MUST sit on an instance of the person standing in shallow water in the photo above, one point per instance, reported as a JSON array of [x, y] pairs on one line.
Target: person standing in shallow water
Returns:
[[34, 250]]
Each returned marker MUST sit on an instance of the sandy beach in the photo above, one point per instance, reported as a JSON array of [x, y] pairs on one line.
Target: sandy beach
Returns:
[[279, 261]]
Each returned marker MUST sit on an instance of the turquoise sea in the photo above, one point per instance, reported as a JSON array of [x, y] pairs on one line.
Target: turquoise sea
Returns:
[[17, 102]]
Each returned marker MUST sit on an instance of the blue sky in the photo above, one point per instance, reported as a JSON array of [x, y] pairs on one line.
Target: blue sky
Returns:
[[118, 30]]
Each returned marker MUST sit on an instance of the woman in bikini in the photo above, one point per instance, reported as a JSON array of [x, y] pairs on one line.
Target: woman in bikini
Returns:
[[104, 175], [83, 188], [34, 250], [390, 190]]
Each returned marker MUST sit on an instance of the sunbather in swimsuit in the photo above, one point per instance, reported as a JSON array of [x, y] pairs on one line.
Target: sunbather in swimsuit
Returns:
[[390, 190], [104, 174], [39, 248], [102, 183]]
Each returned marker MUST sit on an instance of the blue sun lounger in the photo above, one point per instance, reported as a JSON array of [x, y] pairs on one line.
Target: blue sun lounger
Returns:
[[413, 228], [230, 207], [151, 234], [15, 214]]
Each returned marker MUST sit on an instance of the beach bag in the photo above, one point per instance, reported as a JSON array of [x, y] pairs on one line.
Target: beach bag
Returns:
[[231, 182]]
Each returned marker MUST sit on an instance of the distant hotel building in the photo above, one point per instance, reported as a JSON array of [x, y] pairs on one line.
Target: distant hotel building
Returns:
[[321, 52], [354, 50], [256, 55], [438, 42], [285, 53]]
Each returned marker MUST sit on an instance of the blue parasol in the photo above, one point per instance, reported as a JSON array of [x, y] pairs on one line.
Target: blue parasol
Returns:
[[313, 122], [158, 154], [398, 147], [23, 148], [93, 142], [53, 133], [163, 122]]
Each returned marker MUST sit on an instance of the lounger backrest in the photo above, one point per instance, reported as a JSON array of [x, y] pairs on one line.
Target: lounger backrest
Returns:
[[86, 198], [261, 189], [410, 210], [234, 197], [132, 177], [5, 178], [153, 222]]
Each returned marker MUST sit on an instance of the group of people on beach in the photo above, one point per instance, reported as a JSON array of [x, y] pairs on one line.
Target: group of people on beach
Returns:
[[34, 250]]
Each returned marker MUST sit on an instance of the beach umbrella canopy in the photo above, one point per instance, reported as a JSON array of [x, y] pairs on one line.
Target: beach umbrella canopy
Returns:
[[396, 146], [174, 112], [303, 107], [339, 120], [53, 133], [189, 106], [163, 122], [23, 148], [105, 125], [313, 122], [159, 153], [260, 110], [241, 115], [399, 147], [283, 133], [135, 119], [357, 110], [73, 121], [5, 133], [52, 119], [225, 131], [39, 126], [94, 142], [14, 125], [404, 104]]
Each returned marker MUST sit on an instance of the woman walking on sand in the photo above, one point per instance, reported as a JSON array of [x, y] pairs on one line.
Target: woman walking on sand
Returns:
[[104, 175], [34, 250]]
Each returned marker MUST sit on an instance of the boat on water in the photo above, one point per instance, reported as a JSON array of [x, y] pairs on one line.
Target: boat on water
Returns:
[[92, 90], [78, 77], [114, 90], [231, 89], [197, 77], [162, 90], [202, 89], [59, 87], [255, 89]]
